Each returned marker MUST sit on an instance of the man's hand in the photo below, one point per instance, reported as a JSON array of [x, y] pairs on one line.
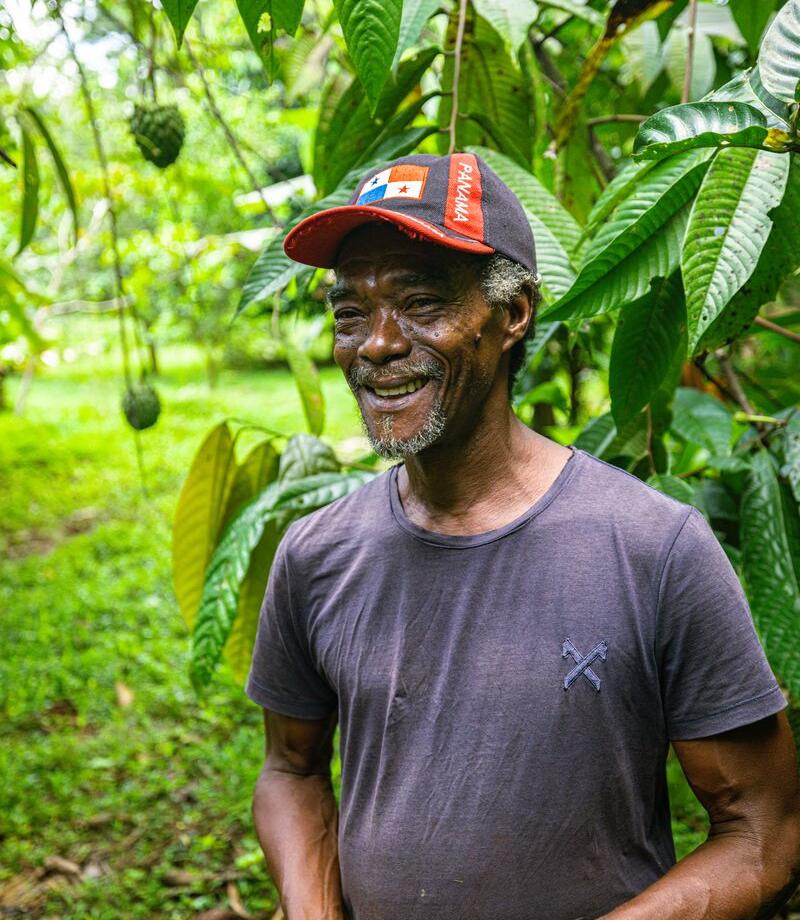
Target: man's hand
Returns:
[[750, 864], [296, 818]]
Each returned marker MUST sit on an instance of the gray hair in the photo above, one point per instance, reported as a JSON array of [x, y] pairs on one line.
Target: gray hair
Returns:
[[503, 280]]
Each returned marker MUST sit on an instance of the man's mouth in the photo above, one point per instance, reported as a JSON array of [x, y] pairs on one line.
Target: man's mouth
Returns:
[[399, 389]]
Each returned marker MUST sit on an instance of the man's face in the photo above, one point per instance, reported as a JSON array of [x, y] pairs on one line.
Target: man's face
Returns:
[[420, 346]]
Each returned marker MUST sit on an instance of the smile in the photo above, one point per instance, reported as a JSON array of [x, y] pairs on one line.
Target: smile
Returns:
[[401, 389]]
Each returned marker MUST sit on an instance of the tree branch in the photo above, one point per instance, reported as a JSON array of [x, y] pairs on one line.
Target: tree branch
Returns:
[[774, 327], [692, 34], [462, 21]]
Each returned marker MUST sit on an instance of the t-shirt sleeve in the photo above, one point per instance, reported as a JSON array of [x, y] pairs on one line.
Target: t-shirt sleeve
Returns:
[[714, 673], [283, 676]]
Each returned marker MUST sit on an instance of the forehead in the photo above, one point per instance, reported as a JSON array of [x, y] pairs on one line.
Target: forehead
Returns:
[[380, 249]]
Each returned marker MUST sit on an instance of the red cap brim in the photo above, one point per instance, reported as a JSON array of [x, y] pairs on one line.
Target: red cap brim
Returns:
[[316, 240]]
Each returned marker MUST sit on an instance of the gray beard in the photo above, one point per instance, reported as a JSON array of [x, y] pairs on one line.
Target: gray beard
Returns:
[[391, 448]]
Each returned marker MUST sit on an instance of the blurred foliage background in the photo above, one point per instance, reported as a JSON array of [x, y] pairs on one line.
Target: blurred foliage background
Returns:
[[126, 792]]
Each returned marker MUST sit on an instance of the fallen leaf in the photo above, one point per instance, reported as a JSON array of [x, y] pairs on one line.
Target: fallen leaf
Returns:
[[124, 694]]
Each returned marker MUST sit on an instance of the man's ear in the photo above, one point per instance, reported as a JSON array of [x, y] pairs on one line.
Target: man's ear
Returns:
[[518, 314]]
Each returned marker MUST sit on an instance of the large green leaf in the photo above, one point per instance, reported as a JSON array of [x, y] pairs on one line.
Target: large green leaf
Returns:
[[30, 188], [752, 16], [58, 161], [791, 450], [494, 96], [199, 516], [232, 558], [705, 124], [255, 473], [179, 13], [672, 486], [511, 19], [629, 279], [660, 194], [779, 57], [647, 335], [306, 378], [700, 419], [728, 227], [286, 14], [622, 186], [416, 13], [779, 258], [305, 455], [597, 435], [352, 130], [770, 579], [746, 87], [704, 65], [371, 29]]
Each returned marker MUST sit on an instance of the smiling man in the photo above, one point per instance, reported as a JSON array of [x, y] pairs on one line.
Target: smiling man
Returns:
[[509, 632]]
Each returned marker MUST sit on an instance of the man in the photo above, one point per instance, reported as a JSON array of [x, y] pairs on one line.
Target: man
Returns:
[[508, 632]]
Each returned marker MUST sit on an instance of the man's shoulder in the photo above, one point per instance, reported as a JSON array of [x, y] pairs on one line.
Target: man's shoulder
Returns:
[[348, 519], [608, 494]]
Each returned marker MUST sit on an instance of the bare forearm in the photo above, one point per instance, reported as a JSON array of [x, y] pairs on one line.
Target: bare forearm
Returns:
[[730, 877], [296, 820]]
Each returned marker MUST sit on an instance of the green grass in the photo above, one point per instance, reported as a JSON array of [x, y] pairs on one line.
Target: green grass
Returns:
[[132, 794]]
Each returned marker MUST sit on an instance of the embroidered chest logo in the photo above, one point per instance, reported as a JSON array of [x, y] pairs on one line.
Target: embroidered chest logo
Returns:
[[583, 663]]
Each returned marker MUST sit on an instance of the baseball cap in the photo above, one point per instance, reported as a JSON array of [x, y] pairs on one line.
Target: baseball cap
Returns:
[[455, 201]]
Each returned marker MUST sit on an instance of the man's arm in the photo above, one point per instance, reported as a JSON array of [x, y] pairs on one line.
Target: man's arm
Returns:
[[296, 817], [750, 864]]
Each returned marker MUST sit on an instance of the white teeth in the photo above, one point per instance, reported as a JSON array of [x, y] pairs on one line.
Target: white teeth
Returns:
[[398, 391]]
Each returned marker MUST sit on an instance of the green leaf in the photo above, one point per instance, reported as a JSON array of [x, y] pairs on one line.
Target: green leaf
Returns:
[[58, 162], [232, 558], [30, 188], [728, 227], [625, 182], [752, 16], [791, 450], [416, 13], [668, 17], [779, 258], [306, 378], [352, 130], [643, 55], [179, 13], [199, 516], [648, 333], [371, 29], [576, 9], [252, 476], [286, 14], [779, 57], [700, 419], [631, 278], [597, 435], [660, 194], [494, 96], [747, 88], [704, 124], [770, 580], [511, 19], [704, 68], [305, 455]]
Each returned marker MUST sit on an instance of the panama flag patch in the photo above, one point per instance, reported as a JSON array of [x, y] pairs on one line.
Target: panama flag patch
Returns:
[[404, 181]]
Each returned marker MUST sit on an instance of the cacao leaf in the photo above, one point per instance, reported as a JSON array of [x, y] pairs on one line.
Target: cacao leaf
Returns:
[[416, 13], [179, 12], [371, 30], [30, 188], [306, 378], [752, 16], [305, 455], [700, 419], [58, 161], [511, 19], [779, 57]]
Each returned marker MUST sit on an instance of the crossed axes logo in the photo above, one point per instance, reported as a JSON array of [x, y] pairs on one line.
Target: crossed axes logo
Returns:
[[583, 664]]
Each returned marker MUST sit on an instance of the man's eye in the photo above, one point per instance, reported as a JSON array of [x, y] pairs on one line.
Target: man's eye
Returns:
[[341, 315], [422, 303]]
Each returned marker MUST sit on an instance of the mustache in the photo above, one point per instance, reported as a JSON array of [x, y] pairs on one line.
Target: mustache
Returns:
[[372, 377]]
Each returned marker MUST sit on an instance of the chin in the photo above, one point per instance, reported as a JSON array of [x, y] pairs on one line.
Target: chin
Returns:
[[390, 446]]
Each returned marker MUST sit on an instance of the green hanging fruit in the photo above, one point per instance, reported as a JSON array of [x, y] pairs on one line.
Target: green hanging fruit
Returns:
[[158, 131], [141, 406]]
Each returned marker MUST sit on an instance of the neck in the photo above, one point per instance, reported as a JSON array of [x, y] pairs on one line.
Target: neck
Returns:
[[495, 469]]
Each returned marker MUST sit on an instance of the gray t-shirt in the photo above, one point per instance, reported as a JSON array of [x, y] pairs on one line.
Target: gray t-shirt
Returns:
[[506, 700]]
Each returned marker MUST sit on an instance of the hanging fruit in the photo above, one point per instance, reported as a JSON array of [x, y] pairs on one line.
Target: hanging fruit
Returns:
[[141, 406], [158, 131]]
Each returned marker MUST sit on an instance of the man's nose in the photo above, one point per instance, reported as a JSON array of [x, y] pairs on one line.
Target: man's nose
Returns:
[[385, 339]]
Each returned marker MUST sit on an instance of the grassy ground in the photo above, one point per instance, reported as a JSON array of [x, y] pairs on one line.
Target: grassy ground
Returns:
[[108, 761]]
